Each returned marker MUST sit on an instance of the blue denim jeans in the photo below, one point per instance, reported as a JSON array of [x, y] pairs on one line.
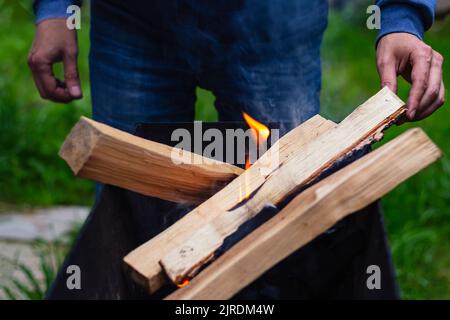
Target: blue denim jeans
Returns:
[[261, 57]]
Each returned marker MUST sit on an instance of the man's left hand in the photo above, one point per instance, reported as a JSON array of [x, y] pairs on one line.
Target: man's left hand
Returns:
[[406, 55]]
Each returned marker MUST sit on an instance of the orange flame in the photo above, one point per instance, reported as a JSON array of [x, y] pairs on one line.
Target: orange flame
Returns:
[[261, 129], [184, 283], [247, 162], [260, 133]]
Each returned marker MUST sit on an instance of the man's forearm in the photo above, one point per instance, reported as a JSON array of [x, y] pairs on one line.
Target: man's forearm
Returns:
[[402, 51], [410, 16], [51, 9]]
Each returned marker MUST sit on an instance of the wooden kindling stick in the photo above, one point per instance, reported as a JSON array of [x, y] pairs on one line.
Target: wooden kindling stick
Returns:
[[311, 213], [99, 152]]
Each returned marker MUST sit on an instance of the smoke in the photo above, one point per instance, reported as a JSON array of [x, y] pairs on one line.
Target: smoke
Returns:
[[261, 57]]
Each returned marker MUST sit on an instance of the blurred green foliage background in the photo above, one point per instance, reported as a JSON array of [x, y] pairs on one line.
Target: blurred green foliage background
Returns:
[[32, 130]]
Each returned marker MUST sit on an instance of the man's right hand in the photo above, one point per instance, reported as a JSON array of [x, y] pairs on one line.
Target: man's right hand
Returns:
[[53, 43]]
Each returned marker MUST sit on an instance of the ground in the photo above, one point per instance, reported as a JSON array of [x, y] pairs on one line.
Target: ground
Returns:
[[32, 245]]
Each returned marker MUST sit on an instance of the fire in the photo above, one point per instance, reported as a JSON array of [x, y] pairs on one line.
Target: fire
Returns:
[[184, 283], [247, 162], [260, 133], [261, 129]]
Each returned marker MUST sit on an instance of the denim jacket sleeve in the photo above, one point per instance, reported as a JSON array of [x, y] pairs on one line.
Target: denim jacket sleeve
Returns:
[[411, 16], [48, 9]]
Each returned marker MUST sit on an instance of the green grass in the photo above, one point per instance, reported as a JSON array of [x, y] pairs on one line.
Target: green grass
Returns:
[[33, 284], [31, 131]]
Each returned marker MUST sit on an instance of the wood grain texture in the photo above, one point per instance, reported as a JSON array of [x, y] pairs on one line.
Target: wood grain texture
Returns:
[[143, 263], [311, 213], [99, 152], [363, 126]]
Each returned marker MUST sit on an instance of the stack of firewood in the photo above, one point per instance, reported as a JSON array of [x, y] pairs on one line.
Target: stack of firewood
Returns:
[[180, 253]]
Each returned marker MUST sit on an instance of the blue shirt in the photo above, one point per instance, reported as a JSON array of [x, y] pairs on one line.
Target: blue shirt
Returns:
[[411, 16]]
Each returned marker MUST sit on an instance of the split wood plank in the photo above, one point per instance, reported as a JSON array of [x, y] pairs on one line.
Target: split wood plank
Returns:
[[99, 152], [361, 127], [143, 262], [311, 213]]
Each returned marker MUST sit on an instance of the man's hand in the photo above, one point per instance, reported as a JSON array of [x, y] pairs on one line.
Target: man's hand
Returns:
[[53, 43], [406, 55]]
